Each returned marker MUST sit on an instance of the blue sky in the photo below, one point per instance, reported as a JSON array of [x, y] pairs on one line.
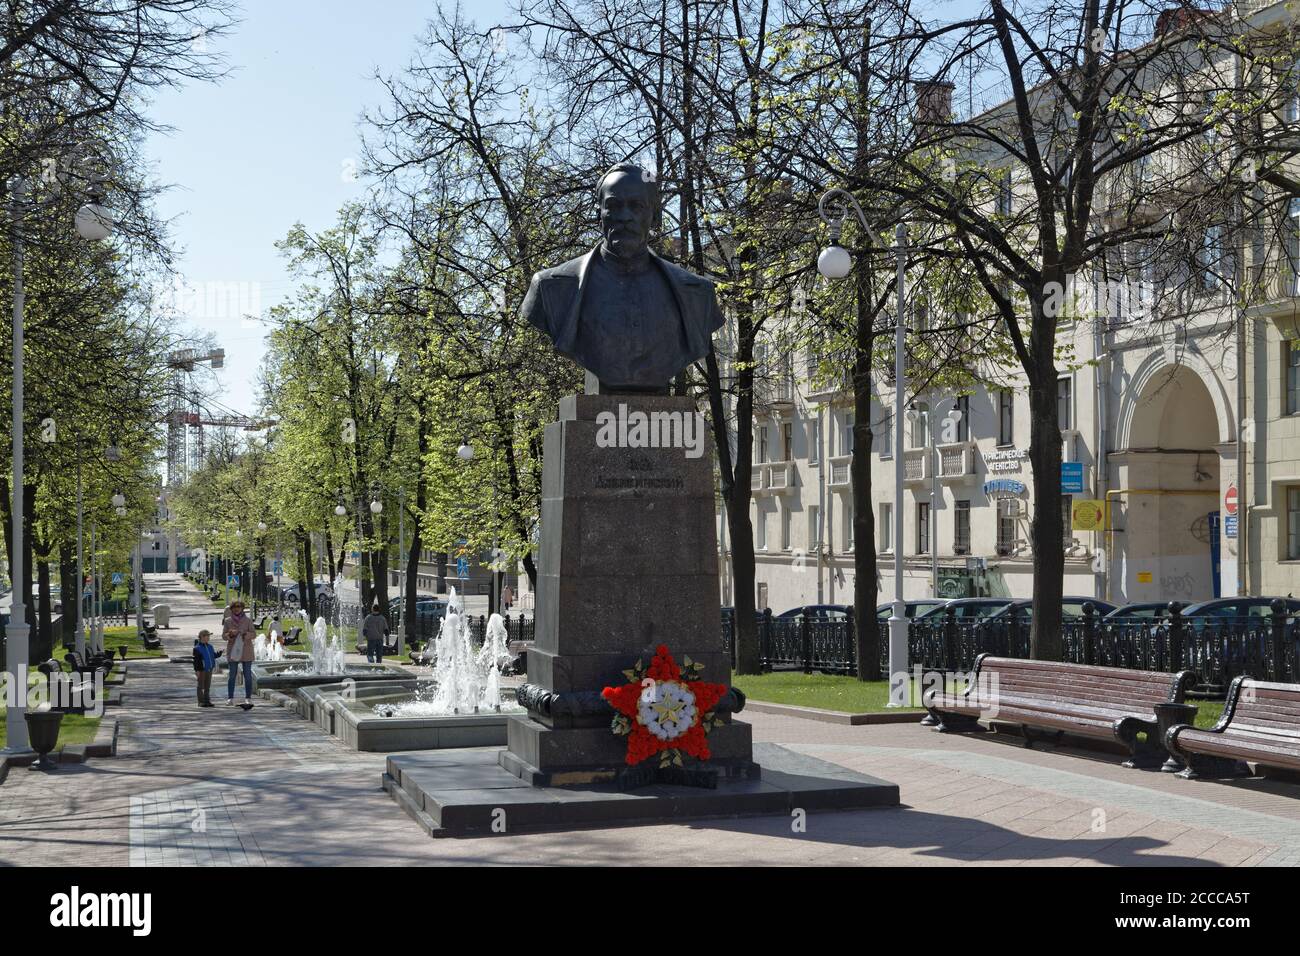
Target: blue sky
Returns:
[[270, 146]]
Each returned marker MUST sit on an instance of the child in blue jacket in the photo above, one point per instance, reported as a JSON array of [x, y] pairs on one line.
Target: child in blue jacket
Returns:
[[205, 661]]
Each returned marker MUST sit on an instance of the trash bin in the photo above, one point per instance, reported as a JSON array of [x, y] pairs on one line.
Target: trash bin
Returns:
[[162, 615]]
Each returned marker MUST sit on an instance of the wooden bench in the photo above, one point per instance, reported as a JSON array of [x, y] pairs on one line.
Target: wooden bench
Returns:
[[1107, 703], [1260, 724]]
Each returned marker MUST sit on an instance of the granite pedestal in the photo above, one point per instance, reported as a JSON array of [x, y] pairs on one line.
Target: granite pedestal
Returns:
[[627, 561]]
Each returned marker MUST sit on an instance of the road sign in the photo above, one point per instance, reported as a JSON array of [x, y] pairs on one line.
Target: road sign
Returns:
[[117, 577], [277, 567], [1230, 500], [233, 580], [1230, 526], [1071, 477], [462, 567]]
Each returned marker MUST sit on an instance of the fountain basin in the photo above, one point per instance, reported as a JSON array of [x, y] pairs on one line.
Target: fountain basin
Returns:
[[358, 726], [288, 676], [317, 702]]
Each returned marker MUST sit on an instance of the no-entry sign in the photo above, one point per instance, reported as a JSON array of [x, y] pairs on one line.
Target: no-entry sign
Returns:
[[1230, 500]]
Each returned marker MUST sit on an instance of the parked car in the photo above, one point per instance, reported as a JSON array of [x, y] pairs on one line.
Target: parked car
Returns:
[[911, 608], [968, 609], [1146, 610], [1234, 609], [427, 611], [290, 592], [816, 612], [1071, 607]]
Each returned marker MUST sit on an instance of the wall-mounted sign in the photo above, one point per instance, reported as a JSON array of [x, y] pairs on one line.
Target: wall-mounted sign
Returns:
[[1001, 487], [1007, 460], [1144, 577], [1230, 526], [1071, 477], [1088, 514], [1230, 500]]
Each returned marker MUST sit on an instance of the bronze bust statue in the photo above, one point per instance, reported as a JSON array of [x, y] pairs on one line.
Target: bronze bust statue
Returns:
[[628, 317]]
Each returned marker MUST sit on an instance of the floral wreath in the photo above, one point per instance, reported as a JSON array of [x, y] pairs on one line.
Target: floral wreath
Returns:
[[660, 712]]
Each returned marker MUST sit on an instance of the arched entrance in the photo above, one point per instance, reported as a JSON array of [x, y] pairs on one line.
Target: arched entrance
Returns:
[[1165, 502]]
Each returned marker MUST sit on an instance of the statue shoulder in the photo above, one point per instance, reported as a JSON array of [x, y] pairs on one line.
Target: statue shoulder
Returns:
[[685, 277], [558, 274]]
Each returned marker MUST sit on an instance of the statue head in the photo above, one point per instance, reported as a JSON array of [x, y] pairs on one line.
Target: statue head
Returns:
[[629, 204]]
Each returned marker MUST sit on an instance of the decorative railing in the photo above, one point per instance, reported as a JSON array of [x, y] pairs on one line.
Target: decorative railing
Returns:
[[1216, 650]]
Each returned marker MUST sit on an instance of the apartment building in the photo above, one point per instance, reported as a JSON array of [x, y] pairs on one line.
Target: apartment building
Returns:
[[1181, 443]]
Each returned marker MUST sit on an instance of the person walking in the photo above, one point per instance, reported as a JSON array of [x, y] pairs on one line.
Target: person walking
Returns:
[[507, 597], [375, 629], [239, 634], [205, 660]]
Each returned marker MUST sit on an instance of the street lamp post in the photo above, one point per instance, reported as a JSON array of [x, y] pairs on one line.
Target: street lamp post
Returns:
[[835, 263], [401, 572]]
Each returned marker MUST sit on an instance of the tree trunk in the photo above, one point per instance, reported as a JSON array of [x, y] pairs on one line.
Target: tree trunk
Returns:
[[69, 589], [1047, 529], [43, 641]]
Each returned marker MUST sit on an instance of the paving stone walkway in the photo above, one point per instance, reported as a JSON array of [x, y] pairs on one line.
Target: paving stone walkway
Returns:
[[221, 787]]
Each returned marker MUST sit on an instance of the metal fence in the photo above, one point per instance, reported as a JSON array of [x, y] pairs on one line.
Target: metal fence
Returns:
[[1215, 649], [425, 626]]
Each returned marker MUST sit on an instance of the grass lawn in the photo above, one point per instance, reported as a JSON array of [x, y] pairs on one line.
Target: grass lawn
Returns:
[[115, 636], [833, 692], [73, 729], [824, 691]]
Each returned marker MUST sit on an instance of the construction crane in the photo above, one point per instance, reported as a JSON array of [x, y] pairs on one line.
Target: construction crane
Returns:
[[182, 364]]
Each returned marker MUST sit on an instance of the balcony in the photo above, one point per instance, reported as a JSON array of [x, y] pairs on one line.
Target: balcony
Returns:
[[916, 468], [841, 476], [780, 476], [956, 461], [756, 479], [774, 393], [1276, 292]]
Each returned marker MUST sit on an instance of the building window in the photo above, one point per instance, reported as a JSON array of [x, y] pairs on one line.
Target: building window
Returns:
[[961, 528], [1064, 404], [885, 531], [814, 528], [920, 415], [922, 527], [787, 441], [1067, 519], [785, 529], [1004, 193], [760, 530], [1006, 417], [1212, 257], [761, 604], [814, 433], [962, 408], [1007, 525], [846, 435], [762, 444], [1293, 245], [887, 437], [1293, 523], [1292, 365], [848, 525]]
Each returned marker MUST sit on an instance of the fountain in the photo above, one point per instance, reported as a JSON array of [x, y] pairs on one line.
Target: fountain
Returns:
[[461, 705], [325, 663]]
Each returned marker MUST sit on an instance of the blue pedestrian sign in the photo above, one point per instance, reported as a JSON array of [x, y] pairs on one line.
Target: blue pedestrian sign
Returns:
[[462, 567], [233, 580], [1071, 477], [117, 577], [277, 567]]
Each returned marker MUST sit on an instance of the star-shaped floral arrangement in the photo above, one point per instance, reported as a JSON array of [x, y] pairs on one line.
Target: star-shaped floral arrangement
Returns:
[[662, 710]]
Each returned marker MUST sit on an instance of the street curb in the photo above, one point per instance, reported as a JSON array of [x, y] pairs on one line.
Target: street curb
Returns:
[[834, 716]]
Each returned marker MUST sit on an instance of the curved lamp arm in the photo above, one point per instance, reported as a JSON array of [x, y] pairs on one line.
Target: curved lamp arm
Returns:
[[843, 201]]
